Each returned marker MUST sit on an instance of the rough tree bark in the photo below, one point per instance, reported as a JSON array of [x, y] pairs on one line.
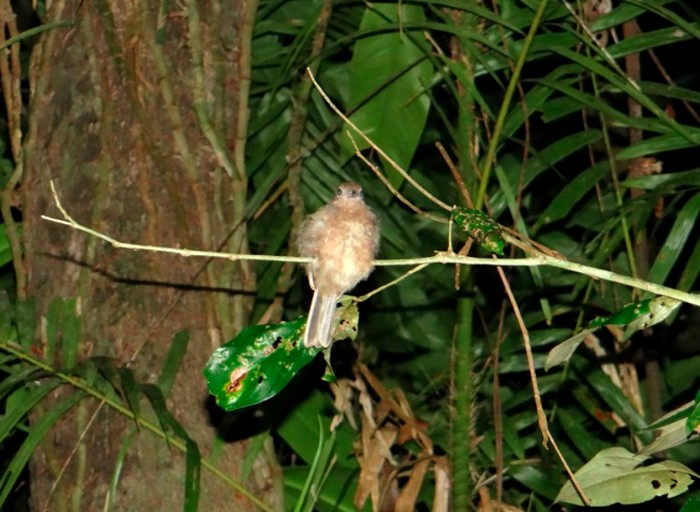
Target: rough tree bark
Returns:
[[140, 118]]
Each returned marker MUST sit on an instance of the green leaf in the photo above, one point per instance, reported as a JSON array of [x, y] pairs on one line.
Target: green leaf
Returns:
[[668, 181], [576, 426], [320, 467], [131, 390], [34, 437], [613, 397], [5, 249], [693, 420], [647, 40], [25, 318], [301, 425], [692, 505], [615, 475], [63, 328], [679, 235], [639, 315], [18, 409], [670, 91], [7, 318], [173, 358], [336, 495], [536, 479], [119, 465], [667, 437], [71, 329], [388, 74], [691, 270], [192, 455], [624, 12], [571, 193], [257, 364], [661, 144], [19, 377]]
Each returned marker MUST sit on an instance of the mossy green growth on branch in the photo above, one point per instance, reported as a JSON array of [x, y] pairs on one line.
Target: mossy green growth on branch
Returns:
[[483, 229]]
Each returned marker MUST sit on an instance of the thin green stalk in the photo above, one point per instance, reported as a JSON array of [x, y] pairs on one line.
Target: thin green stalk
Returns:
[[505, 105], [462, 394]]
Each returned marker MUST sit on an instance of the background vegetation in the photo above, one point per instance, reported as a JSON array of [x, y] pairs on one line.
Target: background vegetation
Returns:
[[573, 124]]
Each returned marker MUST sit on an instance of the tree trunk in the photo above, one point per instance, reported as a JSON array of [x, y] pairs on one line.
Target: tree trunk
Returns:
[[140, 119]]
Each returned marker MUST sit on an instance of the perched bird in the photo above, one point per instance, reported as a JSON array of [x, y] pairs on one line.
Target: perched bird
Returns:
[[342, 238]]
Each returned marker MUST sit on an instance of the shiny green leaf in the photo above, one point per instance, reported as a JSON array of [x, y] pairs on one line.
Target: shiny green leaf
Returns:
[[257, 364], [639, 315]]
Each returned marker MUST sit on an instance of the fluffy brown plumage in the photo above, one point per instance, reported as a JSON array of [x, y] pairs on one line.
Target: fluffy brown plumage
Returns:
[[342, 238]]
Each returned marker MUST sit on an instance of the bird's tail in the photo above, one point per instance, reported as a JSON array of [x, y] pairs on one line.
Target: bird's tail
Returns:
[[320, 321]]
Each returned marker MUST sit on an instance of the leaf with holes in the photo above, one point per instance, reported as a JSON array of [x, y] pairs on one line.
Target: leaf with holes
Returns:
[[639, 315], [615, 475], [259, 362]]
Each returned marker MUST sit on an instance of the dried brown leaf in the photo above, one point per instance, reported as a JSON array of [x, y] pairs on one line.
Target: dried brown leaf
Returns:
[[409, 493]]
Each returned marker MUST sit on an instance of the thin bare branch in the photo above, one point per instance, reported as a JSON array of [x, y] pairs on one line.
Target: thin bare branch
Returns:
[[438, 258], [379, 150], [391, 187], [541, 417]]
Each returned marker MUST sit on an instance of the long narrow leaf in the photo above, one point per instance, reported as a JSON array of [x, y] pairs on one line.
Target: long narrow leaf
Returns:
[[34, 437], [192, 456], [173, 358], [683, 225], [33, 396], [119, 465]]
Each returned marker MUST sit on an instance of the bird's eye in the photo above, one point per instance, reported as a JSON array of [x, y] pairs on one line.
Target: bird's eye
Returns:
[[339, 192]]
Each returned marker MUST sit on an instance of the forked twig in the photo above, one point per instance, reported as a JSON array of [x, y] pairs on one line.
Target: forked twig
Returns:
[[70, 221], [379, 150], [391, 187]]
